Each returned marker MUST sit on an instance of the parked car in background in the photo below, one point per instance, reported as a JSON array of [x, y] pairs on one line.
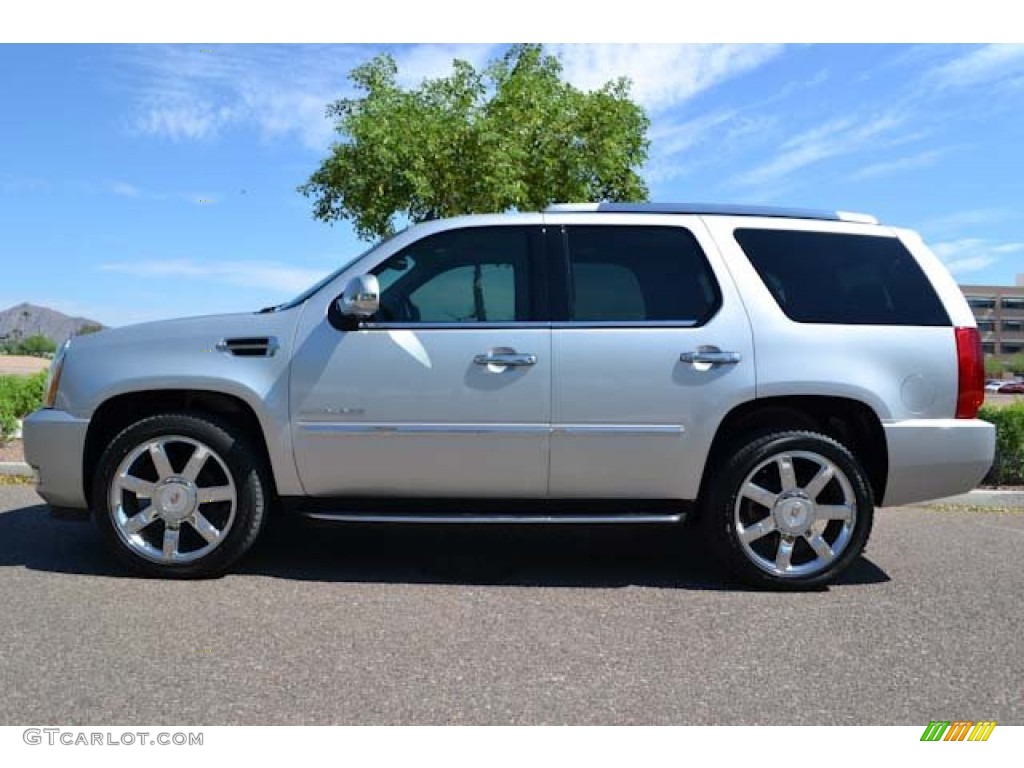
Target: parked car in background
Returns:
[[1012, 388], [774, 373], [993, 385]]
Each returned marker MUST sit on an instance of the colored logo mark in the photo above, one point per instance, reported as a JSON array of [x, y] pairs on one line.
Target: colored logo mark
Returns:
[[958, 730]]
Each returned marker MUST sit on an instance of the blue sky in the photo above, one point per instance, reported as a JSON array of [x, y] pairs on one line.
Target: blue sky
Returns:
[[151, 181]]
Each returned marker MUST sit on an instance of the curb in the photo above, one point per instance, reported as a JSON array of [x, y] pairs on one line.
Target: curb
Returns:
[[989, 497], [15, 468]]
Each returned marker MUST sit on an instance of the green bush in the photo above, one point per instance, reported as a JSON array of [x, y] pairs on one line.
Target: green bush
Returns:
[[1008, 467], [7, 422], [36, 346], [19, 396]]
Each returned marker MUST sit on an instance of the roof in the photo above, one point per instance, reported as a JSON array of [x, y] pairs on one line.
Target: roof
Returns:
[[713, 209]]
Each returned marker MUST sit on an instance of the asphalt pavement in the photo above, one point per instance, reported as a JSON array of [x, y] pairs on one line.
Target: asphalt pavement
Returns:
[[597, 625]]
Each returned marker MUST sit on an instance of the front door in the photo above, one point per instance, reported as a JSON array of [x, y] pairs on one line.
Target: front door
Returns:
[[656, 350], [446, 391]]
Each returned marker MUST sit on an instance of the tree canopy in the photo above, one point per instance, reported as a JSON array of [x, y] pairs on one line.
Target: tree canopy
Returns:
[[513, 135]]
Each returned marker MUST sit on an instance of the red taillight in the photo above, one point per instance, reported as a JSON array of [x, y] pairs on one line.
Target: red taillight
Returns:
[[971, 367]]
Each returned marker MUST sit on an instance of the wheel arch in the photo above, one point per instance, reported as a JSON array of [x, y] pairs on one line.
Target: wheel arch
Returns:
[[122, 410], [851, 422]]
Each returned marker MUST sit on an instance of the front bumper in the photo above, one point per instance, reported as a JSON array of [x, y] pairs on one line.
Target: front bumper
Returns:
[[54, 446], [934, 458]]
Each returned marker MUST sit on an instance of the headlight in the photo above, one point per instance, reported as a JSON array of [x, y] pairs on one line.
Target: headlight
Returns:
[[53, 377]]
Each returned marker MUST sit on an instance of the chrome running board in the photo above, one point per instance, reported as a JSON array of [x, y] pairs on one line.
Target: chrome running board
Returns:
[[518, 519]]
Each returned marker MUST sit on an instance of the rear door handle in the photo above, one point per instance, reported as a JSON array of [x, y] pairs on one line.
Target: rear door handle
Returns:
[[507, 358], [711, 355]]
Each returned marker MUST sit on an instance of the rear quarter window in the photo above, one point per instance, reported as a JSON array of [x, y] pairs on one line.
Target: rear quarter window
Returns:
[[828, 277]]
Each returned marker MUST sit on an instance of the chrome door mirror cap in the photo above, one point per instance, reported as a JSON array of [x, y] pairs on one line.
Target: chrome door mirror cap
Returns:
[[361, 297]]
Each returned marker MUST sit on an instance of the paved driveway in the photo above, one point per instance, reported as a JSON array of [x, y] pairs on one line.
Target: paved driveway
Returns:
[[597, 625]]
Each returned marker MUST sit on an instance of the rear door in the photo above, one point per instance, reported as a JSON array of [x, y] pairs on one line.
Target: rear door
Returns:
[[653, 349]]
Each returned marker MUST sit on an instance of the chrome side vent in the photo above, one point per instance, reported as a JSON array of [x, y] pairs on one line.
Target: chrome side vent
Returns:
[[255, 346]]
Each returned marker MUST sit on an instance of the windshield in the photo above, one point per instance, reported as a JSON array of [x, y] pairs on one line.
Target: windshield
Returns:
[[324, 281]]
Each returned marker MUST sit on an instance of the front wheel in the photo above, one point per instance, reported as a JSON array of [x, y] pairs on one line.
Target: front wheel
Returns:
[[789, 510], [180, 496]]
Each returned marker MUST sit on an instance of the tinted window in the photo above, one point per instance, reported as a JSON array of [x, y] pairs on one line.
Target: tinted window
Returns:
[[473, 275], [635, 274], [824, 277]]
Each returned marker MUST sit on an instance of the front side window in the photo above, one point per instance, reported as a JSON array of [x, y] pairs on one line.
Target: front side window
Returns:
[[639, 274], [831, 277], [473, 275]]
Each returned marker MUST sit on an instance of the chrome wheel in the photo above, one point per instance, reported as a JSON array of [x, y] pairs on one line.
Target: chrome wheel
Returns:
[[172, 500], [795, 514]]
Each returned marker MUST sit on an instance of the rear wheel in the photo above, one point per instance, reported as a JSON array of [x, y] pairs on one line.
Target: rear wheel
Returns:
[[789, 510], [180, 496]]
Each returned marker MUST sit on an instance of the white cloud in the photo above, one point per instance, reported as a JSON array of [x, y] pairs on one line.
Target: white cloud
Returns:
[[971, 254], [675, 145], [127, 189], [185, 93], [663, 75], [14, 185], [959, 221], [124, 189], [281, 278], [280, 112], [835, 138], [673, 137], [981, 66], [188, 93], [184, 120], [909, 163], [420, 62]]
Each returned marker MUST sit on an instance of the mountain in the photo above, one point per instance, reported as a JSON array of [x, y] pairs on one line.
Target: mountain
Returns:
[[32, 320]]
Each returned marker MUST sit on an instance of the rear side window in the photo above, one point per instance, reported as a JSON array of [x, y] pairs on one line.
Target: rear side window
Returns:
[[827, 277], [639, 274]]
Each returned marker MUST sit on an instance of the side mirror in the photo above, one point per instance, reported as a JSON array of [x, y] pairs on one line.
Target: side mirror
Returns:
[[361, 298]]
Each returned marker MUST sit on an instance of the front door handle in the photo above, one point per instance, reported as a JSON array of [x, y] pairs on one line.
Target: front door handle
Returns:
[[506, 357], [710, 355]]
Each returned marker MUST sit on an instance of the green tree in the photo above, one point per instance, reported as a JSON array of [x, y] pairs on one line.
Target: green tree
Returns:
[[513, 135], [994, 367], [1016, 364]]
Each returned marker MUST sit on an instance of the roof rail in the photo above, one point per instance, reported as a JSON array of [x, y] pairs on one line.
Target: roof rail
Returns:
[[711, 209]]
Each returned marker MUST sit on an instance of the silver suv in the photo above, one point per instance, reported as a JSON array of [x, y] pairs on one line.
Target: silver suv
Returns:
[[773, 373]]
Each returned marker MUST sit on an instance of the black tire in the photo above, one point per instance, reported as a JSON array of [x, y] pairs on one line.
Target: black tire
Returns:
[[247, 471], [720, 509]]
